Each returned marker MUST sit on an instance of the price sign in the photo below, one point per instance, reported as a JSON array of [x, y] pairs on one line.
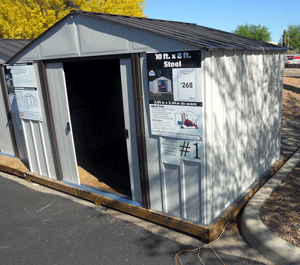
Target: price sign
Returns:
[[184, 82]]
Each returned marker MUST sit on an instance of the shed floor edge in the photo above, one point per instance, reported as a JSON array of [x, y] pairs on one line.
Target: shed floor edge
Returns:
[[205, 233]]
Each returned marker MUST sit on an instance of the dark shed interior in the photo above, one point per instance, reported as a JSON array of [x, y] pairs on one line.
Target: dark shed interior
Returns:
[[96, 109]]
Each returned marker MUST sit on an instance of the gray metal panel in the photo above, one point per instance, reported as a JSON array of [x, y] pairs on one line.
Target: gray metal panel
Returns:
[[31, 147], [152, 143], [100, 36], [6, 141], [36, 138], [17, 129], [19, 135], [128, 105], [61, 116], [61, 43]]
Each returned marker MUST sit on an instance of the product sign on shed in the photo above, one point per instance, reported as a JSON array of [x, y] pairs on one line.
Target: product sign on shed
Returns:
[[175, 95], [23, 92]]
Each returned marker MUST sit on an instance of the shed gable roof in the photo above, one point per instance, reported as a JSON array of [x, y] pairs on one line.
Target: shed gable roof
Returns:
[[202, 37], [188, 34]]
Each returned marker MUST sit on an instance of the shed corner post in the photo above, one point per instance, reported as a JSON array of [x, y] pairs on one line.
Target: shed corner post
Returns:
[[140, 127]]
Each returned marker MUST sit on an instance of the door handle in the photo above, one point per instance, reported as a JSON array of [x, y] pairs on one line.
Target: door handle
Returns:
[[68, 126], [126, 134]]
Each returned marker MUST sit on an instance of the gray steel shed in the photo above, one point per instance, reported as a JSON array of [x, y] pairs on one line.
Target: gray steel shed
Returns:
[[189, 154], [11, 140]]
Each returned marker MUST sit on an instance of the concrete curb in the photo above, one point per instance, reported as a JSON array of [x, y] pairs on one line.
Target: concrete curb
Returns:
[[257, 234]]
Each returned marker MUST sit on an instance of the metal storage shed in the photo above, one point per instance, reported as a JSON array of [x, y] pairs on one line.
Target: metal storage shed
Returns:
[[93, 70], [9, 144]]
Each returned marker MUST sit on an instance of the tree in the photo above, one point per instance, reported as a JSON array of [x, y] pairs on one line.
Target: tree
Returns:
[[27, 19], [293, 34], [256, 32]]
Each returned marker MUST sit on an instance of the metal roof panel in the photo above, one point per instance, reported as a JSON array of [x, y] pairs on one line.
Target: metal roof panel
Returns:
[[10, 47]]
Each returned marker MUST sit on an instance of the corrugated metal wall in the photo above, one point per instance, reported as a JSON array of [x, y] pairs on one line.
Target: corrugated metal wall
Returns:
[[242, 111], [6, 141], [243, 92], [38, 140]]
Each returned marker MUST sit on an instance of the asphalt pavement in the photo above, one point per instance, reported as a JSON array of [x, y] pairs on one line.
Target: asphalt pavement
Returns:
[[39, 225]]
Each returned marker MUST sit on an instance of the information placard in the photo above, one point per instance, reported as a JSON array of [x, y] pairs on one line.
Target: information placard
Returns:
[[22, 90], [175, 96]]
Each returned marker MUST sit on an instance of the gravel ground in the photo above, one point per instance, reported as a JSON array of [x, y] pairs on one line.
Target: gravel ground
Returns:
[[281, 212]]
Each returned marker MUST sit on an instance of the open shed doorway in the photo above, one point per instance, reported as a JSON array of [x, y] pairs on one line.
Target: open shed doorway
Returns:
[[97, 116]]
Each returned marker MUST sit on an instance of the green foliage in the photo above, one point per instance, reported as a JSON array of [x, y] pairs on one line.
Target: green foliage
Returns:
[[256, 32], [293, 33]]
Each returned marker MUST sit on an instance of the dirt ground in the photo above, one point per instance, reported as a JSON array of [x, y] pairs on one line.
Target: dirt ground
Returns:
[[281, 212], [291, 94]]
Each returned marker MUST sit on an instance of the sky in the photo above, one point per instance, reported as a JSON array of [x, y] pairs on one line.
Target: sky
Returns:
[[225, 15]]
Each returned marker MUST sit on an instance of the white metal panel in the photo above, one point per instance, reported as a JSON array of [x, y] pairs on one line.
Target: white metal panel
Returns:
[[219, 139], [232, 109], [261, 156], [171, 188], [35, 147], [273, 85], [130, 124], [31, 147], [241, 120], [278, 86], [238, 85], [191, 178], [207, 185], [61, 116], [250, 121], [268, 84]]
